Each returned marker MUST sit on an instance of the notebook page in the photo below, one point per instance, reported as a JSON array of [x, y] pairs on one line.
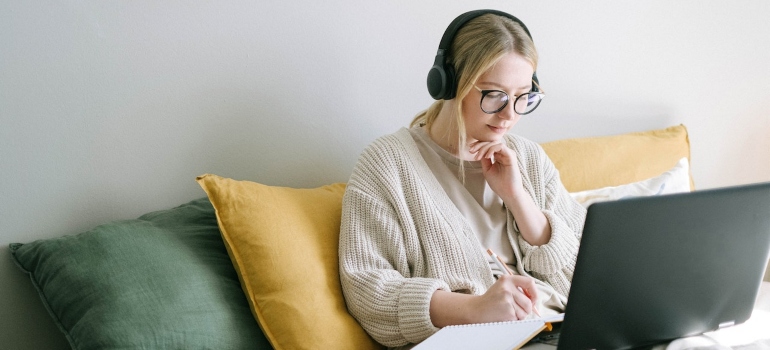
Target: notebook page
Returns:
[[492, 336]]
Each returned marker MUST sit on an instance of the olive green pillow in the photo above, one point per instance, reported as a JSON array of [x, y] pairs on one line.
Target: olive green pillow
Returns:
[[162, 281]]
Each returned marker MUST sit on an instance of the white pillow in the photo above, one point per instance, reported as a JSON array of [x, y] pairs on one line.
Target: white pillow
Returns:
[[675, 180]]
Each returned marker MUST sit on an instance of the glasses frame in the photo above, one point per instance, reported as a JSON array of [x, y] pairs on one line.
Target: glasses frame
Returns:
[[484, 93]]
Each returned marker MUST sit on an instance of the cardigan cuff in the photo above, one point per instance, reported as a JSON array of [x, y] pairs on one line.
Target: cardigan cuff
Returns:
[[554, 256], [414, 308]]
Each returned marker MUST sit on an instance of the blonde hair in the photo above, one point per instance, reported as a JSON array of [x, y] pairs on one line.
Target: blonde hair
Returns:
[[478, 45]]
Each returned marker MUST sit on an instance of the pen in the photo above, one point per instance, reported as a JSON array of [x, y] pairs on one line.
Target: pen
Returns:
[[499, 262], [505, 269]]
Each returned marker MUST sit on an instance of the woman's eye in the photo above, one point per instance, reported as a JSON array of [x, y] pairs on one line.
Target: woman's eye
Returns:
[[496, 94]]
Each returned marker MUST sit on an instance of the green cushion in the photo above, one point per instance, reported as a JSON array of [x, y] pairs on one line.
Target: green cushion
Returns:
[[162, 281]]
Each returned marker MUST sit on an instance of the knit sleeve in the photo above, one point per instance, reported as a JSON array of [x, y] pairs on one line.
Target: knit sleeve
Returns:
[[553, 262], [375, 272]]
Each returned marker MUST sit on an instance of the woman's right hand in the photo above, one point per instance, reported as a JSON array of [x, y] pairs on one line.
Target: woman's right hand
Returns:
[[507, 300]]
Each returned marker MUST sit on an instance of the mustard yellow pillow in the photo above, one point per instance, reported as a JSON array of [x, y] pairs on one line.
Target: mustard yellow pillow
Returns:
[[595, 162], [283, 243]]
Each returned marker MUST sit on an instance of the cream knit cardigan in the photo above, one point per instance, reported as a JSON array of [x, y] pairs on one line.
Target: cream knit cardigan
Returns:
[[402, 238]]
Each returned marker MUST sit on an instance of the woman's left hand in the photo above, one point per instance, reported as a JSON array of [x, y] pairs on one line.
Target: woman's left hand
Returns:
[[499, 165]]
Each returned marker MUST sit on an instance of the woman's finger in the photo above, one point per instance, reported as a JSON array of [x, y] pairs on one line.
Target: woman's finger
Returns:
[[524, 305], [531, 293], [487, 150], [491, 150]]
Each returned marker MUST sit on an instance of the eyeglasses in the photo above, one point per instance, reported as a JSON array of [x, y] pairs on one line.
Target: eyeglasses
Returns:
[[493, 101]]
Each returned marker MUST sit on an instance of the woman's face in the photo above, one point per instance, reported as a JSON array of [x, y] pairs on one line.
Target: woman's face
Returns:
[[512, 74]]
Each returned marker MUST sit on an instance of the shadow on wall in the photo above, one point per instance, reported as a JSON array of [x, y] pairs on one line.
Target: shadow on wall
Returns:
[[261, 136], [17, 321], [550, 127]]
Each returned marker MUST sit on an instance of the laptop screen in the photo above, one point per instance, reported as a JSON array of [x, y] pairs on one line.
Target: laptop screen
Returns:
[[653, 269]]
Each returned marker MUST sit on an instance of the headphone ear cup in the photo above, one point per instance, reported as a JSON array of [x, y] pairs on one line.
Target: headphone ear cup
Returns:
[[437, 81], [441, 82], [451, 83]]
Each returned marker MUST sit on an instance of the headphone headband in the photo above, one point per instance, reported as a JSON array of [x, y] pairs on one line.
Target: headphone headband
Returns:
[[442, 82], [457, 23]]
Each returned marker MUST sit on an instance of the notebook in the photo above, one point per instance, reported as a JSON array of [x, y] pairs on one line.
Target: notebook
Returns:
[[489, 336], [653, 269]]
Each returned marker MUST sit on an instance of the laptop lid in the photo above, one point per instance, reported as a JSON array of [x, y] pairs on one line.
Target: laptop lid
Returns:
[[653, 269]]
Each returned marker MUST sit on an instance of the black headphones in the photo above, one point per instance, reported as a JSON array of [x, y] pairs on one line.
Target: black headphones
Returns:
[[442, 82]]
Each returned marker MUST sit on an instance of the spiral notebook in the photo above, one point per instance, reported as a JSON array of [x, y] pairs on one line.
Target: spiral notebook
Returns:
[[492, 336]]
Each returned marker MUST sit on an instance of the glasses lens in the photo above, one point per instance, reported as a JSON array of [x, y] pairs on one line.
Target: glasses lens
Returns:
[[527, 103], [494, 101]]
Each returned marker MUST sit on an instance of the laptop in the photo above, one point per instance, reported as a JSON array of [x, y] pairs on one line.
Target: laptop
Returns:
[[653, 269]]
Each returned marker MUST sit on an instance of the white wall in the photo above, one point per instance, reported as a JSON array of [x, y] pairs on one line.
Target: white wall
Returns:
[[109, 110]]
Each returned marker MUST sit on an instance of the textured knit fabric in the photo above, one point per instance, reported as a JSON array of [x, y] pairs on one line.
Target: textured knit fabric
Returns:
[[476, 201], [402, 238]]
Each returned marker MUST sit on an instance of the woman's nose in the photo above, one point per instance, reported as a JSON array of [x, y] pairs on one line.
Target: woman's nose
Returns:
[[507, 112]]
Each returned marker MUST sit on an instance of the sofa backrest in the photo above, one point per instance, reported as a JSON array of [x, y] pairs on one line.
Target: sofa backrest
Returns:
[[595, 162]]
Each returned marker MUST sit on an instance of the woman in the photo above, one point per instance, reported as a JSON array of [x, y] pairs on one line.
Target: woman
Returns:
[[424, 204]]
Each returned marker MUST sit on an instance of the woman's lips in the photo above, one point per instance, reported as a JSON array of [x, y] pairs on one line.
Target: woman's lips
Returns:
[[497, 129]]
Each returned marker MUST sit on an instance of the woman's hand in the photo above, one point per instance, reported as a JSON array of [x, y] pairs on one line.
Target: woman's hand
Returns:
[[506, 300], [504, 177], [500, 167]]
